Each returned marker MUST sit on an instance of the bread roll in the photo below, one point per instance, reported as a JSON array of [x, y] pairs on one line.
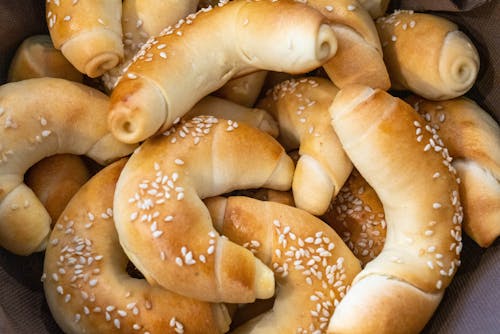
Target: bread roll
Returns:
[[185, 63], [359, 54], [96, 295], [36, 57], [427, 55], [376, 8], [312, 266], [472, 138], [357, 215], [399, 157], [55, 180], [62, 117], [221, 108], [88, 33], [243, 90], [165, 228], [301, 109]]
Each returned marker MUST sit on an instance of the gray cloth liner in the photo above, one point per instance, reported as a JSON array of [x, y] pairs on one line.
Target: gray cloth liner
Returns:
[[472, 301]]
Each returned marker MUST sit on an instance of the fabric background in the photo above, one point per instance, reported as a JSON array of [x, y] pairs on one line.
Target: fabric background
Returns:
[[472, 301]]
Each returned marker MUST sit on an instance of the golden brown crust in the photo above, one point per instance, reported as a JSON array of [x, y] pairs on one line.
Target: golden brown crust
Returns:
[[55, 180], [184, 64], [421, 203], [87, 287], [35, 126], [225, 109], [243, 90], [301, 109], [312, 266], [469, 133], [359, 54], [357, 215], [164, 226], [141, 20], [427, 55], [36, 57], [88, 33]]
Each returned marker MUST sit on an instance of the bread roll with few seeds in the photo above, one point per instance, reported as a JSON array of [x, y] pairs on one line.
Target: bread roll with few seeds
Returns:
[[359, 57], [472, 138], [427, 55], [88, 33], [62, 117], [185, 63], [165, 228], [418, 189]]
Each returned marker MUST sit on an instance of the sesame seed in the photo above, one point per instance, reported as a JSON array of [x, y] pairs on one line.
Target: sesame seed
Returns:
[[436, 205]]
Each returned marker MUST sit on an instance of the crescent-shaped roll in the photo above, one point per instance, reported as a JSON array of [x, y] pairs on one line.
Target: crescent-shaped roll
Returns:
[[221, 108], [165, 228], [140, 20], [301, 109], [427, 55], [312, 265], [55, 180], [357, 215], [39, 118], [88, 33], [36, 57], [243, 90], [472, 138], [399, 156], [183, 64], [86, 284], [359, 57]]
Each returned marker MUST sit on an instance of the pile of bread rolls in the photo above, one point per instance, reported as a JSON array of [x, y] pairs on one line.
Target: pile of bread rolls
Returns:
[[319, 154]]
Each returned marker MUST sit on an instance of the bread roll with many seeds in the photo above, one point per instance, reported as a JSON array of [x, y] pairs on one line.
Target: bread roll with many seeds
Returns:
[[221, 108], [62, 117], [357, 215], [427, 55], [312, 266], [89, 33], [184, 63], [301, 109], [87, 287], [165, 228], [473, 139], [418, 189]]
